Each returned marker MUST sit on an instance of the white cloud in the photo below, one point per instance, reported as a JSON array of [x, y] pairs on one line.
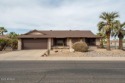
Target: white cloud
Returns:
[[56, 14]]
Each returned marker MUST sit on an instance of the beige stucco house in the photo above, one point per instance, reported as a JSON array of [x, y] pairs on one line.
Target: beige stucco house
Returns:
[[39, 39]]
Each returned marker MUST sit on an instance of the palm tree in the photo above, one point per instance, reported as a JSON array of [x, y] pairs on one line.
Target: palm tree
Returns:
[[2, 30], [120, 32], [107, 25]]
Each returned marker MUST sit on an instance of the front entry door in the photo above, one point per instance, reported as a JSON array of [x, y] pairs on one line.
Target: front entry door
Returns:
[[60, 41]]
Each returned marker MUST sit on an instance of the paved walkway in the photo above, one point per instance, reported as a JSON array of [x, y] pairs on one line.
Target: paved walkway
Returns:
[[82, 58]]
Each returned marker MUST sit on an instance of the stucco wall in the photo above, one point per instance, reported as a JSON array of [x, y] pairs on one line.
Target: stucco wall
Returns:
[[19, 44], [68, 41], [52, 42], [49, 43], [98, 41]]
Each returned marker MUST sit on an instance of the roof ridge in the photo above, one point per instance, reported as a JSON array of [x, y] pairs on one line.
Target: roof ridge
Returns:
[[63, 30]]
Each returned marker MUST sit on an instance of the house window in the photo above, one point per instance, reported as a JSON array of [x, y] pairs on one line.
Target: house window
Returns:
[[90, 41], [60, 42]]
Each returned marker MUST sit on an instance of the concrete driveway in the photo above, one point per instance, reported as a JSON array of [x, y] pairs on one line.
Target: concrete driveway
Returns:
[[22, 55]]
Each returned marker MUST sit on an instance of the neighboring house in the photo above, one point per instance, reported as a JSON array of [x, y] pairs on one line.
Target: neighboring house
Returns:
[[56, 39], [116, 42], [3, 37]]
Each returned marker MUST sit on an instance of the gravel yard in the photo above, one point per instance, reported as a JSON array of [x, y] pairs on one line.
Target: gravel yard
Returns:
[[91, 53]]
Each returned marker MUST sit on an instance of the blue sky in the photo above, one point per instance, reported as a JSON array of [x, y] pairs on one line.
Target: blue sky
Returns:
[[24, 15]]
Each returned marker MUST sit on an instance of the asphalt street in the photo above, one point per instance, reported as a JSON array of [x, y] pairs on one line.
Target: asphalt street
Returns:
[[62, 72]]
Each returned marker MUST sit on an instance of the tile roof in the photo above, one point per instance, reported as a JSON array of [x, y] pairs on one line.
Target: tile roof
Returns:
[[59, 34]]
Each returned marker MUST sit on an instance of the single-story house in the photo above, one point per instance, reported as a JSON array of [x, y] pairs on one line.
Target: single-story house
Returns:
[[40, 39], [3, 37]]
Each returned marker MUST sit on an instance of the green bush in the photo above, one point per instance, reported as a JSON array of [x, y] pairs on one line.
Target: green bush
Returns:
[[3, 43], [80, 47], [13, 43]]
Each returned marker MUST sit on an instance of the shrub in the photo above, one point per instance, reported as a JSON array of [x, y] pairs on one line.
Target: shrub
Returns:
[[13, 43], [80, 47], [3, 43]]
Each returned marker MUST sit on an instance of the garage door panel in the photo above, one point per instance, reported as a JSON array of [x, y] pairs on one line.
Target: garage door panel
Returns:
[[34, 43]]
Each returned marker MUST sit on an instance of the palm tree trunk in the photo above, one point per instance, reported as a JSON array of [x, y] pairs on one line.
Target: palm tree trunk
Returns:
[[120, 43], [108, 41]]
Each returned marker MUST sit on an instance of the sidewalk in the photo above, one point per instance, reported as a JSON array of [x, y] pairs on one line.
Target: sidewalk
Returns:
[[83, 58], [68, 59]]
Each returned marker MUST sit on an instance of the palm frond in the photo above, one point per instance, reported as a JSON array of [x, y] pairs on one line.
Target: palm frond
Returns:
[[114, 15], [123, 32], [114, 34], [103, 16], [101, 25]]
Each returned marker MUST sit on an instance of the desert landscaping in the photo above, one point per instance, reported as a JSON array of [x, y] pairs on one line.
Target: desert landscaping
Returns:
[[62, 54], [92, 53], [73, 43]]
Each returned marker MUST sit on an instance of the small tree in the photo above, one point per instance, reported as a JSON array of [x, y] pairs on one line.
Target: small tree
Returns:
[[12, 35], [13, 40], [13, 43], [3, 43], [103, 37], [2, 30]]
